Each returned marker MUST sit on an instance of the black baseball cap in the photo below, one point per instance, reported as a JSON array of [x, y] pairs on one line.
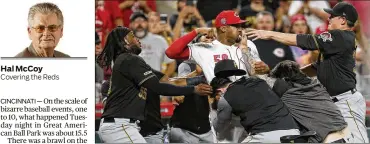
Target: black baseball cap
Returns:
[[226, 68], [136, 15], [344, 9]]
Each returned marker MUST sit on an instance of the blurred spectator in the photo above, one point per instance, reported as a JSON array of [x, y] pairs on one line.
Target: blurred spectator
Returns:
[[362, 68], [271, 52], [363, 9], [99, 77], [281, 14], [210, 8], [153, 46], [102, 21], [299, 26], [98, 48], [249, 12], [129, 6], [115, 13], [313, 11], [286, 26], [187, 20], [272, 4], [159, 26]]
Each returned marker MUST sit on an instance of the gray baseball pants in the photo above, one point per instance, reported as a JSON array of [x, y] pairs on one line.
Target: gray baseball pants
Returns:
[[178, 135], [155, 138], [234, 133], [120, 131], [353, 109]]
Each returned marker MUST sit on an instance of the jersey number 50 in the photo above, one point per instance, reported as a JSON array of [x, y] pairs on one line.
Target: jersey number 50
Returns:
[[220, 57]]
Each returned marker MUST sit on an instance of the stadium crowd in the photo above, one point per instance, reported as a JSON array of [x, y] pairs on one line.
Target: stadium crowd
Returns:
[[158, 24]]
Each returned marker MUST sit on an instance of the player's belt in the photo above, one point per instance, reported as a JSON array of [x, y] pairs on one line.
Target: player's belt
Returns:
[[352, 91], [111, 120]]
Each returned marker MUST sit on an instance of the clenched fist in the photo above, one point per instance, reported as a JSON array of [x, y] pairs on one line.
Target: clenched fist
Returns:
[[261, 68], [208, 32]]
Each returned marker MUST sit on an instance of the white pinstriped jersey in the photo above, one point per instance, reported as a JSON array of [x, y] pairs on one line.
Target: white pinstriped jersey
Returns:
[[206, 55]]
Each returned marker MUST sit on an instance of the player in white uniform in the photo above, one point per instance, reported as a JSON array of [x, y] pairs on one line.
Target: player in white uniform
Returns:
[[229, 32]]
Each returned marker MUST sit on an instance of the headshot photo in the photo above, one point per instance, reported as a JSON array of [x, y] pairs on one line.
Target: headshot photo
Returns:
[[53, 28]]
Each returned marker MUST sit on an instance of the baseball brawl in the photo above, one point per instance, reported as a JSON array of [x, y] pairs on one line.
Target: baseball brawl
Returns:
[[232, 71]]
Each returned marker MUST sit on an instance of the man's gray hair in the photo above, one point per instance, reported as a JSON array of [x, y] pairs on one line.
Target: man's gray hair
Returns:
[[45, 8], [265, 13]]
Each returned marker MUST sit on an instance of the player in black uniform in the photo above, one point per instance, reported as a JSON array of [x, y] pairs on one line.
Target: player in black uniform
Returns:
[[130, 81], [152, 128], [336, 63], [262, 114]]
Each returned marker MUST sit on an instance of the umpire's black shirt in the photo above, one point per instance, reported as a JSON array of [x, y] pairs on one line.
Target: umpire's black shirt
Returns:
[[153, 121], [126, 97], [192, 114], [272, 52], [259, 108], [336, 70]]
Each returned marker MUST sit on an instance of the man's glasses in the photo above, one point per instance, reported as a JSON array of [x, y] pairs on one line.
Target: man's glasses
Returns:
[[41, 28]]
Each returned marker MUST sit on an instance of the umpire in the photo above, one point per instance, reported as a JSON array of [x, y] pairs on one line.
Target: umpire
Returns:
[[190, 120], [336, 63], [130, 81]]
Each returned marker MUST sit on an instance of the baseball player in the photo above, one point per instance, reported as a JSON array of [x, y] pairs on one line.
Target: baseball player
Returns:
[[130, 81], [335, 65], [263, 115], [229, 32]]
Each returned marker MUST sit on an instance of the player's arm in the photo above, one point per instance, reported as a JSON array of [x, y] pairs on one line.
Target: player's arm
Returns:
[[179, 49], [142, 74], [320, 42], [154, 85], [285, 38], [251, 59]]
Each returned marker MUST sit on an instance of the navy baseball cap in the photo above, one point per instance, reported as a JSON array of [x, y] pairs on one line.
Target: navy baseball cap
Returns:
[[136, 15], [344, 9], [226, 68]]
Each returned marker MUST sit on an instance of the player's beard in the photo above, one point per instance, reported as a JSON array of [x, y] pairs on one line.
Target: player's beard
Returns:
[[239, 39], [135, 49]]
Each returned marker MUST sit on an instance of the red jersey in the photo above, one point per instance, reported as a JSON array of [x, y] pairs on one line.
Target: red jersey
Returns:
[[126, 13], [112, 7], [103, 24]]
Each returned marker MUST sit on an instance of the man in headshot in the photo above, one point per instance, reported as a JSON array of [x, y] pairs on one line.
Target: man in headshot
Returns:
[[45, 28]]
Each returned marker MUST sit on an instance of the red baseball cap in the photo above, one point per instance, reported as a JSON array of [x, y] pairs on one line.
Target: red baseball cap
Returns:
[[296, 17], [228, 17]]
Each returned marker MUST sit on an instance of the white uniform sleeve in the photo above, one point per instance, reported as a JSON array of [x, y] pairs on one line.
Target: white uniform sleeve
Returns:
[[253, 49]]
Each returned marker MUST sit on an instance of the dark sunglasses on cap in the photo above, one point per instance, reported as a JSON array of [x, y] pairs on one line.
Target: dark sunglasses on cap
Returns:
[[42, 28]]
